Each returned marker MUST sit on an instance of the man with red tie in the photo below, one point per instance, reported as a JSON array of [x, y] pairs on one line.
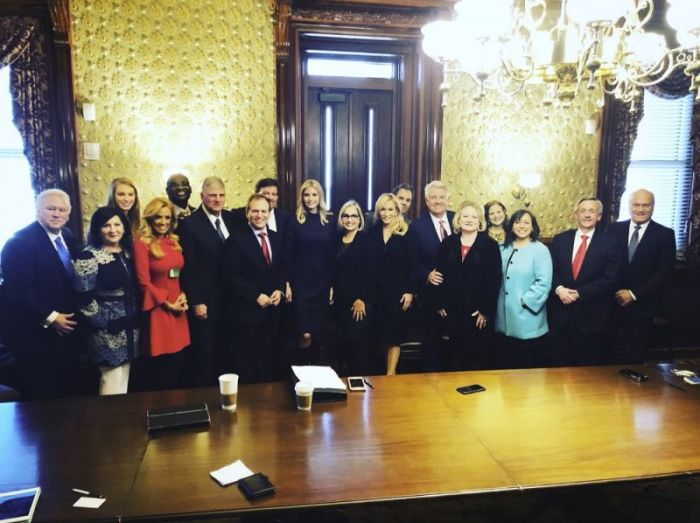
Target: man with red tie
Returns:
[[586, 265], [254, 276]]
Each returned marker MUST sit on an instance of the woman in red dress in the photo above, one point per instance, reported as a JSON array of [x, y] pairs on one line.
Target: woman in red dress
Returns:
[[158, 260]]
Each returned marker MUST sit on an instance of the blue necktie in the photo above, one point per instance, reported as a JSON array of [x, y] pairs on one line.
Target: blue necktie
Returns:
[[64, 255], [634, 242]]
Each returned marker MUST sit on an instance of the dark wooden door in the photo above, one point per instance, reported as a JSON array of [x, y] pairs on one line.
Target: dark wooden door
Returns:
[[349, 142]]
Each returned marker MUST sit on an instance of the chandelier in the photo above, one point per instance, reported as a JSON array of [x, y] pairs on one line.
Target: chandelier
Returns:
[[502, 45]]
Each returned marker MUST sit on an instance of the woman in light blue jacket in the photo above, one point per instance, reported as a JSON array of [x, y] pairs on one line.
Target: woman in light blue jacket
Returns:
[[521, 313]]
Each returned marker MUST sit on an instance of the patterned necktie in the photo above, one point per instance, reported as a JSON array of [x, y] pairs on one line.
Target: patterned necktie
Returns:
[[634, 242], [265, 249], [217, 224], [443, 230], [64, 255], [580, 255]]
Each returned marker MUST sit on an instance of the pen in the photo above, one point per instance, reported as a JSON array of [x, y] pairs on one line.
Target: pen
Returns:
[[86, 493], [368, 384]]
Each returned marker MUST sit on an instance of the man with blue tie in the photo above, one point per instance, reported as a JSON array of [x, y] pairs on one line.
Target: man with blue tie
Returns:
[[40, 306], [586, 264], [427, 232], [651, 254]]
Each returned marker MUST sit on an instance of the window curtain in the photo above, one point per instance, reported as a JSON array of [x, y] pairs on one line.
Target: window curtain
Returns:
[[620, 126], [676, 86], [23, 46]]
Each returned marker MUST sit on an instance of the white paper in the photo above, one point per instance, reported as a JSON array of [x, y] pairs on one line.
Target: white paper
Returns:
[[231, 473], [321, 377], [89, 502]]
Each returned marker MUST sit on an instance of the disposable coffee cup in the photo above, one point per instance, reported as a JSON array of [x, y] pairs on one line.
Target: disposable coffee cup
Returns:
[[228, 387], [305, 395]]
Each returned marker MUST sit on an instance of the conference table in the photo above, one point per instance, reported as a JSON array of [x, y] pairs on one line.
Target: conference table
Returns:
[[409, 437]]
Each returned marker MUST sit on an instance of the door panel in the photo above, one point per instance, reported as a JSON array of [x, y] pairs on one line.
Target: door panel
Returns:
[[349, 143]]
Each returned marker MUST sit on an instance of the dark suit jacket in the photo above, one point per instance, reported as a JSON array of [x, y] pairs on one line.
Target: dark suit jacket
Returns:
[[597, 281], [203, 252], [283, 219], [246, 274], [35, 284], [427, 244], [651, 265], [472, 284]]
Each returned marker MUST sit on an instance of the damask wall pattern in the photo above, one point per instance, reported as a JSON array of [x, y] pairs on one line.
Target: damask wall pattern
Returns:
[[177, 84], [484, 152]]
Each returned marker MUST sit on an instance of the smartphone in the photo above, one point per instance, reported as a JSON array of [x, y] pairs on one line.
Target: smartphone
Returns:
[[692, 380], [356, 383], [256, 486], [634, 375], [470, 389]]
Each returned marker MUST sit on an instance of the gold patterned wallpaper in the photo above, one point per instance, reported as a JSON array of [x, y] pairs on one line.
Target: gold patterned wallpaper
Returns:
[[177, 84], [484, 153]]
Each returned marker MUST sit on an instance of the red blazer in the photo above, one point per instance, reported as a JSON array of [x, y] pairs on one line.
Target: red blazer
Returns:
[[163, 332]]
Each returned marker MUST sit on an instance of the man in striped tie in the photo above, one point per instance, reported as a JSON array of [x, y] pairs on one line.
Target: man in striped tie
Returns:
[[586, 264], [39, 301]]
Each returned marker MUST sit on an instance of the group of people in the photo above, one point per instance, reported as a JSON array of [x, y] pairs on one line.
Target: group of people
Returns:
[[185, 294]]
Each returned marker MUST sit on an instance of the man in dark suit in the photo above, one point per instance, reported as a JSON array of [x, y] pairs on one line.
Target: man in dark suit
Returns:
[[202, 236], [255, 278], [279, 219], [427, 232], [40, 311], [179, 191], [404, 194], [586, 265], [651, 254]]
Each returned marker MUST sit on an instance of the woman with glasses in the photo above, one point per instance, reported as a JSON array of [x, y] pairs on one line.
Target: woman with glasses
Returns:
[[353, 280], [311, 241], [395, 282]]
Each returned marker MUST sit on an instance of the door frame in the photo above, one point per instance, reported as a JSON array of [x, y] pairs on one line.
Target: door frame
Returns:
[[379, 25]]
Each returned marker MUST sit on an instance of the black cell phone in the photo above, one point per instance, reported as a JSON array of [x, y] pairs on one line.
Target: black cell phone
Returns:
[[470, 389], [634, 375], [256, 486]]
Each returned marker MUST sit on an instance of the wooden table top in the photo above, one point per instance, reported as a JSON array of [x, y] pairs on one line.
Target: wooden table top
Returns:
[[411, 436]]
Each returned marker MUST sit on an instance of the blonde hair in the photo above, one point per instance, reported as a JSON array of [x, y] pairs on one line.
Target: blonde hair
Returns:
[[301, 208], [458, 212], [133, 214], [345, 207], [398, 226], [145, 233]]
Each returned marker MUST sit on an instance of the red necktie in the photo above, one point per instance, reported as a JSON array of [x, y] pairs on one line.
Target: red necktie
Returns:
[[580, 255], [265, 250]]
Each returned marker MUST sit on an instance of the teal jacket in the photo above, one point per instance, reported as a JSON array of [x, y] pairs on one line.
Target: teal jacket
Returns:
[[527, 279]]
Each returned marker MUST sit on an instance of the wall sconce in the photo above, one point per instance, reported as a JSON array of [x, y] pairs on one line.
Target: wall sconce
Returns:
[[526, 182], [89, 112], [592, 124]]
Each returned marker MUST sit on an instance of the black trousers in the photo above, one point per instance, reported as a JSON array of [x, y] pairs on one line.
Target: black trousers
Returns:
[[637, 330], [257, 350], [210, 354], [573, 347]]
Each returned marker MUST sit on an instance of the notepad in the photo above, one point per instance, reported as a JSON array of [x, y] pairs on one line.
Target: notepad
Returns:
[[231, 473], [327, 385]]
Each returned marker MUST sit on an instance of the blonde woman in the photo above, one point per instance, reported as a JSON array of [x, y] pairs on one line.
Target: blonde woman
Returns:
[[158, 260], [124, 196], [312, 234], [395, 282], [354, 272], [470, 262]]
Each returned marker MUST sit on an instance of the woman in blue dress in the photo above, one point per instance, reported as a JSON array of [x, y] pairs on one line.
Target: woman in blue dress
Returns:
[[105, 282], [311, 252], [521, 314]]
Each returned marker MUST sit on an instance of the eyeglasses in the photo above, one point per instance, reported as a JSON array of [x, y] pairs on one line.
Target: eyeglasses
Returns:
[[348, 216]]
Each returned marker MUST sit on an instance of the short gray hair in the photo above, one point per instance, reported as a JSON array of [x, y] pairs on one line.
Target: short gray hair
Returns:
[[590, 199], [212, 180], [435, 184], [52, 192]]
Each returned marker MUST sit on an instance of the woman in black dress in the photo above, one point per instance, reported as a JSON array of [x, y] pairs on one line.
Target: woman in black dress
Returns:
[[354, 271], [107, 295], [311, 249], [470, 262], [395, 281]]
